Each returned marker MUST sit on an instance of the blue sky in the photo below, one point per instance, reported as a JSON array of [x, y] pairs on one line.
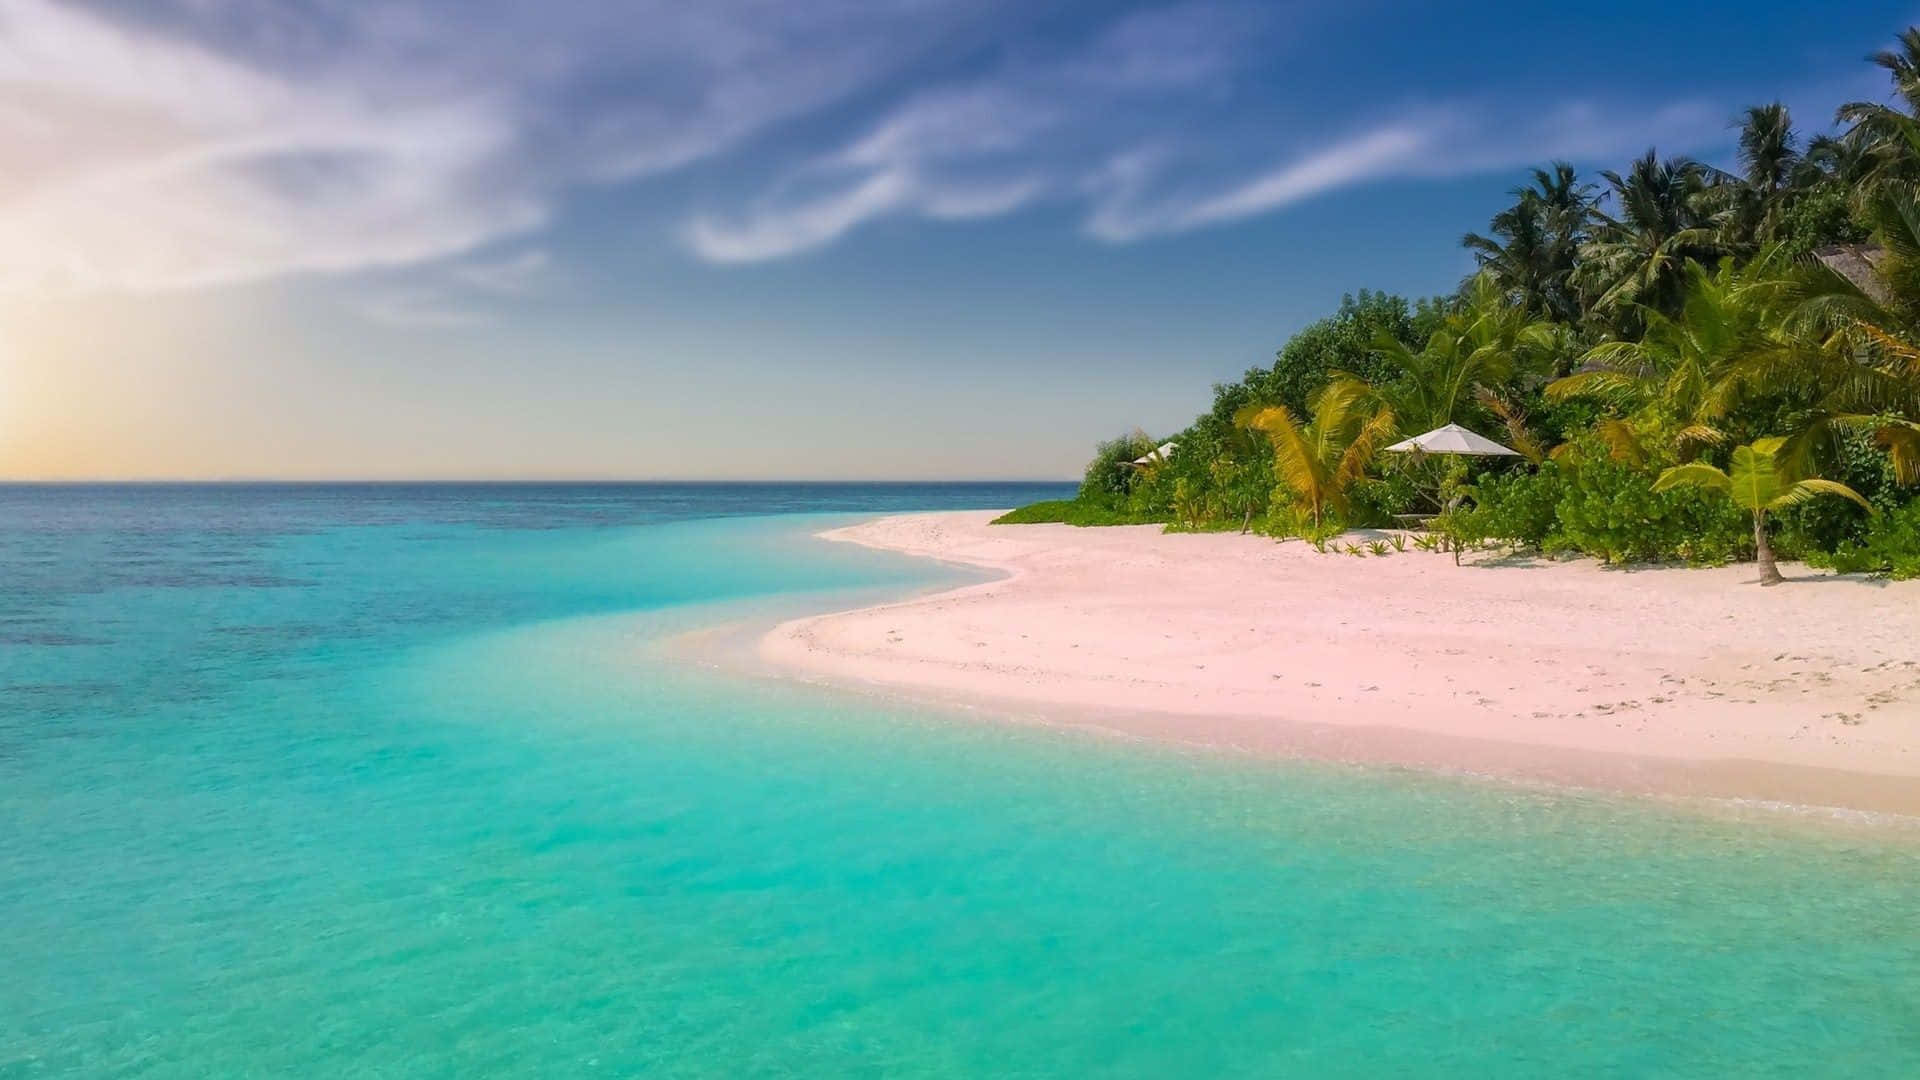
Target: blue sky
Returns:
[[744, 238]]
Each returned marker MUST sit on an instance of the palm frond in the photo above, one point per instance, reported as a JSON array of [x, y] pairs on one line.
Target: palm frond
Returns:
[[1810, 488], [1901, 439], [1695, 473], [1623, 443], [1515, 421], [1611, 385], [1362, 450], [1694, 435]]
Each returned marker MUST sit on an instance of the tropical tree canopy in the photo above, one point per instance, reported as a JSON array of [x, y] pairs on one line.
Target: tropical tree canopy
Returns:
[[1651, 339], [1319, 459]]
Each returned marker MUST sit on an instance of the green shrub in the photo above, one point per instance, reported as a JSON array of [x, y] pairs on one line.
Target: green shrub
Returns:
[[1609, 510], [1376, 501], [1519, 507], [1070, 512], [1891, 546], [1344, 341], [1823, 526], [1818, 218], [1605, 509], [1111, 476]]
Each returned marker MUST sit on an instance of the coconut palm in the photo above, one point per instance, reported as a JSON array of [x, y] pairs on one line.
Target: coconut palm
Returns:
[[1883, 134], [1759, 483], [1536, 243], [1695, 365], [1483, 342], [1856, 342], [1752, 211], [1769, 151], [1319, 460], [1638, 252]]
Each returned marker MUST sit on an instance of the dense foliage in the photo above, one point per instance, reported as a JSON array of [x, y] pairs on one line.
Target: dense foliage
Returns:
[[1071, 512], [1671, 319]]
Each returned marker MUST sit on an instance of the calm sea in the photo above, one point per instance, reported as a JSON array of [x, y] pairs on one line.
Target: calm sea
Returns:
[[393, 781]]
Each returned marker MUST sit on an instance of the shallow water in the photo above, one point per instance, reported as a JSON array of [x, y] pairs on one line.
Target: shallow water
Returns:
[[390, 781]]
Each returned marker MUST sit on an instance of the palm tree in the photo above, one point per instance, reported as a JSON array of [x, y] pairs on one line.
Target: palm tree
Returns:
[[1320, 460], [1535, 244], [1751, 211], [1769, 156], [1856, 343], [1483, 342], [1696, 365], [1659, 222], [1758, 483], [1838, 160], [1882, 133]]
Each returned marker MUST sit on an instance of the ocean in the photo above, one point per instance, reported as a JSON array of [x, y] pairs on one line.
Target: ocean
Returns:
[[402, 781]]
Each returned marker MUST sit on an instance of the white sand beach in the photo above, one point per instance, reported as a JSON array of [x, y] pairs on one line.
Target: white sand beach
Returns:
[[1669, 679]]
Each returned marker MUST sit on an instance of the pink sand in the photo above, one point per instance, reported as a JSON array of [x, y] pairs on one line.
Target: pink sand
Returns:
[[1694, 681]]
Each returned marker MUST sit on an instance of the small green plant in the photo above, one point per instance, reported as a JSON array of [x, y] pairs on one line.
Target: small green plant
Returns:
[[1071, 512], [1759, 483], [1427, 542], [1319, 543], [1356, 550], [1891, 547], [1379, 547], [1399, 541]]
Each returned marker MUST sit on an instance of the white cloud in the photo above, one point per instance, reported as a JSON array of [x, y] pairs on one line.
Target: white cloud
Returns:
[[774, 233], [197, 144], [171, 166], [1121, 217], [992, 145], [160, 144]]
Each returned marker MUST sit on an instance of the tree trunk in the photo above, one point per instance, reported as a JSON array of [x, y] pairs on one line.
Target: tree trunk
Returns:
[[1246, 521], [1763, 551]]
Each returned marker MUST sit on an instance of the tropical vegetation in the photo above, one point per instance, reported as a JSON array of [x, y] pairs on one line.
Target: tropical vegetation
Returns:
[[1650, 341]]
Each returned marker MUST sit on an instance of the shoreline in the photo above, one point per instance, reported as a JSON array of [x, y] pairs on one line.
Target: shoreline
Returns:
[[1525, 670]]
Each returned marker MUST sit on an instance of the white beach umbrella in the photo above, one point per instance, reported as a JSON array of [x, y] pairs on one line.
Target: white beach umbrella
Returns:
[[1452, 439], [1159, 454]]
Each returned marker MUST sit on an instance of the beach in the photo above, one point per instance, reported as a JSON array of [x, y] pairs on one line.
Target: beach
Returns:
[[1667, 680]]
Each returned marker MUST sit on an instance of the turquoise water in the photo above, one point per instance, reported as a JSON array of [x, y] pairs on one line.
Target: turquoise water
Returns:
[[389, 782]]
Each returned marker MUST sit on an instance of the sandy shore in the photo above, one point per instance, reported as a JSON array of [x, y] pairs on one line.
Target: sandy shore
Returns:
[[1685, 681]]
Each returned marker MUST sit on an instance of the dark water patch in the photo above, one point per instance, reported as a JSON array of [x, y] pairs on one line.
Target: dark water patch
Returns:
[[51, 638]]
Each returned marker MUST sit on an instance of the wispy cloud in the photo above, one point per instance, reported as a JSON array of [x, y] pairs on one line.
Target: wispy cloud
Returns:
[[179, 144], [800, 226], [1122, 213], [994, 144]]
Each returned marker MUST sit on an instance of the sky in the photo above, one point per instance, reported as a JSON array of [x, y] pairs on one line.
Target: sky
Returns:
[[764, 239]]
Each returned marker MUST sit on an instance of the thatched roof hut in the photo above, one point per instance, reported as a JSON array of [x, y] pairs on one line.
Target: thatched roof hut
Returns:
[[1858, 263]]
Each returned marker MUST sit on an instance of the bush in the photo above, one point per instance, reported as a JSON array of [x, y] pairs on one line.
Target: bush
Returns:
[[1375, 502], [1608, 510], [1069, 512], [1520, 507], [1823, 526], [1818, 218], [1612, 513], [1891, 546], [1344, 341], [1111, 476]]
